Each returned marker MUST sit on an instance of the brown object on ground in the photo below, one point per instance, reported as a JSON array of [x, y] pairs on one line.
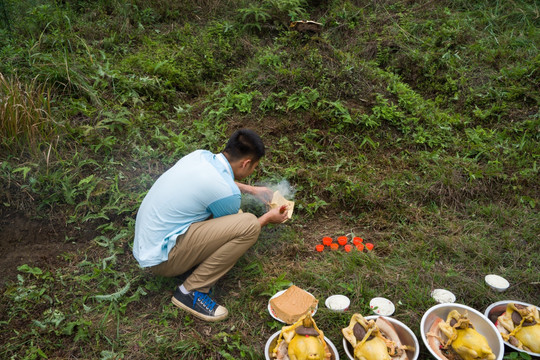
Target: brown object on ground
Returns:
[[292, 304], [306, 26]]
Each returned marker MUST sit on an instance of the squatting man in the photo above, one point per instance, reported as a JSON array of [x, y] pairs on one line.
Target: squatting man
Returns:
[[190, 221]]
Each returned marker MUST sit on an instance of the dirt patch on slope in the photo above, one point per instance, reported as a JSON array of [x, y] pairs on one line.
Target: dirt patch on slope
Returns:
[[36, 242]]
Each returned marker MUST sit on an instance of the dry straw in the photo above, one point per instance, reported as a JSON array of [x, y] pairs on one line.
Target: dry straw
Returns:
[[25, 110]]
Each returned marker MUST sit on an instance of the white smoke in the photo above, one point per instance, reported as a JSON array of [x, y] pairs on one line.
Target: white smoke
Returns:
[[285, 188], [255, 206]]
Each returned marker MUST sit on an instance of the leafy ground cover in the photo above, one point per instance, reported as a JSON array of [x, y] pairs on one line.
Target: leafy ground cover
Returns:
[[414, 125]]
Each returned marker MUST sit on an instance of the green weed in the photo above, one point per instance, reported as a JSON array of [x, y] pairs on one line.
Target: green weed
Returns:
[[303, 100], [276, 14], [518, 355]]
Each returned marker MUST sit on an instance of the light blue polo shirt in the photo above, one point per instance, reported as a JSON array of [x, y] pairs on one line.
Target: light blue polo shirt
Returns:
[[198, 186]]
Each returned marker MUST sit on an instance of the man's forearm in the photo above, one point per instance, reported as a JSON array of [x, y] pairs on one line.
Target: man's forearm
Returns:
[[260, 192], [244, 188], [264, 220]]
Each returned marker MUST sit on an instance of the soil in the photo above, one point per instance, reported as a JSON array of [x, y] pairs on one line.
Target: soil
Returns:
[[36, 242], [42, 242]]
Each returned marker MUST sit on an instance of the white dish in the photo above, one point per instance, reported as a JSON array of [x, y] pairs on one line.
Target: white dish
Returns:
[[443, 296], [495, 310], [480, 322], [270, 344], [496, 282], [406, 336], [382, 306], [338, 303], [273, 314]]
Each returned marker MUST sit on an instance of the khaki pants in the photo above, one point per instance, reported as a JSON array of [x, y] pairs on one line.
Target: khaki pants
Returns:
[[213, 246]]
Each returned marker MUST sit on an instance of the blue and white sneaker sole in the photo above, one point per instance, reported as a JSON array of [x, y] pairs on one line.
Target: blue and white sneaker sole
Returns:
[[198, 314]]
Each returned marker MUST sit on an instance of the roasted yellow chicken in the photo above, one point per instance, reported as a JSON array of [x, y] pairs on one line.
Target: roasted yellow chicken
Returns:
[[301, 341], [520, 326], [374, 340], [461, 336]]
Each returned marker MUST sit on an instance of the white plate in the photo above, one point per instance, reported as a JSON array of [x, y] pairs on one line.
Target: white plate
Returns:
[[273, 314], [443, 296]]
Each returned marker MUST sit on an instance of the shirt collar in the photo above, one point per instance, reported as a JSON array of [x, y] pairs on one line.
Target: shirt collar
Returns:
[[225, 163]]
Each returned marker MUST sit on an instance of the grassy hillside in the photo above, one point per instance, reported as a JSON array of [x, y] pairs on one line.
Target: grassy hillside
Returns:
[[413, 124]]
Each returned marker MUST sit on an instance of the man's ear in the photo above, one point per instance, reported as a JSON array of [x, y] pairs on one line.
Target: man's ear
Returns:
[[246, 163]]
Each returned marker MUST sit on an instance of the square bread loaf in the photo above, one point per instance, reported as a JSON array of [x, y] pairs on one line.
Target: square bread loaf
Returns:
[[292, 304]]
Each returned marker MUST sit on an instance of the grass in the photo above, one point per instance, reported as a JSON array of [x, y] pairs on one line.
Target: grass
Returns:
[[26, 113], [415, 127]]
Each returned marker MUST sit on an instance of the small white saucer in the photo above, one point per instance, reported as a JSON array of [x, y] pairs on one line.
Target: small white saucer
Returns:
[[382, 306], [334, 301], [496, 282], [443, 296]]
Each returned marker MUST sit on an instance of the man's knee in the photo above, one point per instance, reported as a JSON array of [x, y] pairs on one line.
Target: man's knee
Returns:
[[251, 225]]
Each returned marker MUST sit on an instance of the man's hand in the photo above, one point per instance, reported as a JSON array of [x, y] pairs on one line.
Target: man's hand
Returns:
[[263, 193], [274, 216]]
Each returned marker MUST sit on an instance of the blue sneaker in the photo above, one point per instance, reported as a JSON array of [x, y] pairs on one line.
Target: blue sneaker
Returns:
[[200, 305]]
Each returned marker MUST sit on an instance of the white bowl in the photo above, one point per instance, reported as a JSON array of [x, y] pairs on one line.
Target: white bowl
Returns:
[[480, 322], [338, 303], [405, 334], [384, 306], [495, 310], [271, 343], [443, 296], [496, 282]]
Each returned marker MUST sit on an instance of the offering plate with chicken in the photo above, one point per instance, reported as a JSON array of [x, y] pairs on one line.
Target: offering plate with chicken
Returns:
[[518, 323], [458, 332], [379, 338], [302, 340]]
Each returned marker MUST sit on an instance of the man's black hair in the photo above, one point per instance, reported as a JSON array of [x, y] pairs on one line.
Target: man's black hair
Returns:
[[245, 143]]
